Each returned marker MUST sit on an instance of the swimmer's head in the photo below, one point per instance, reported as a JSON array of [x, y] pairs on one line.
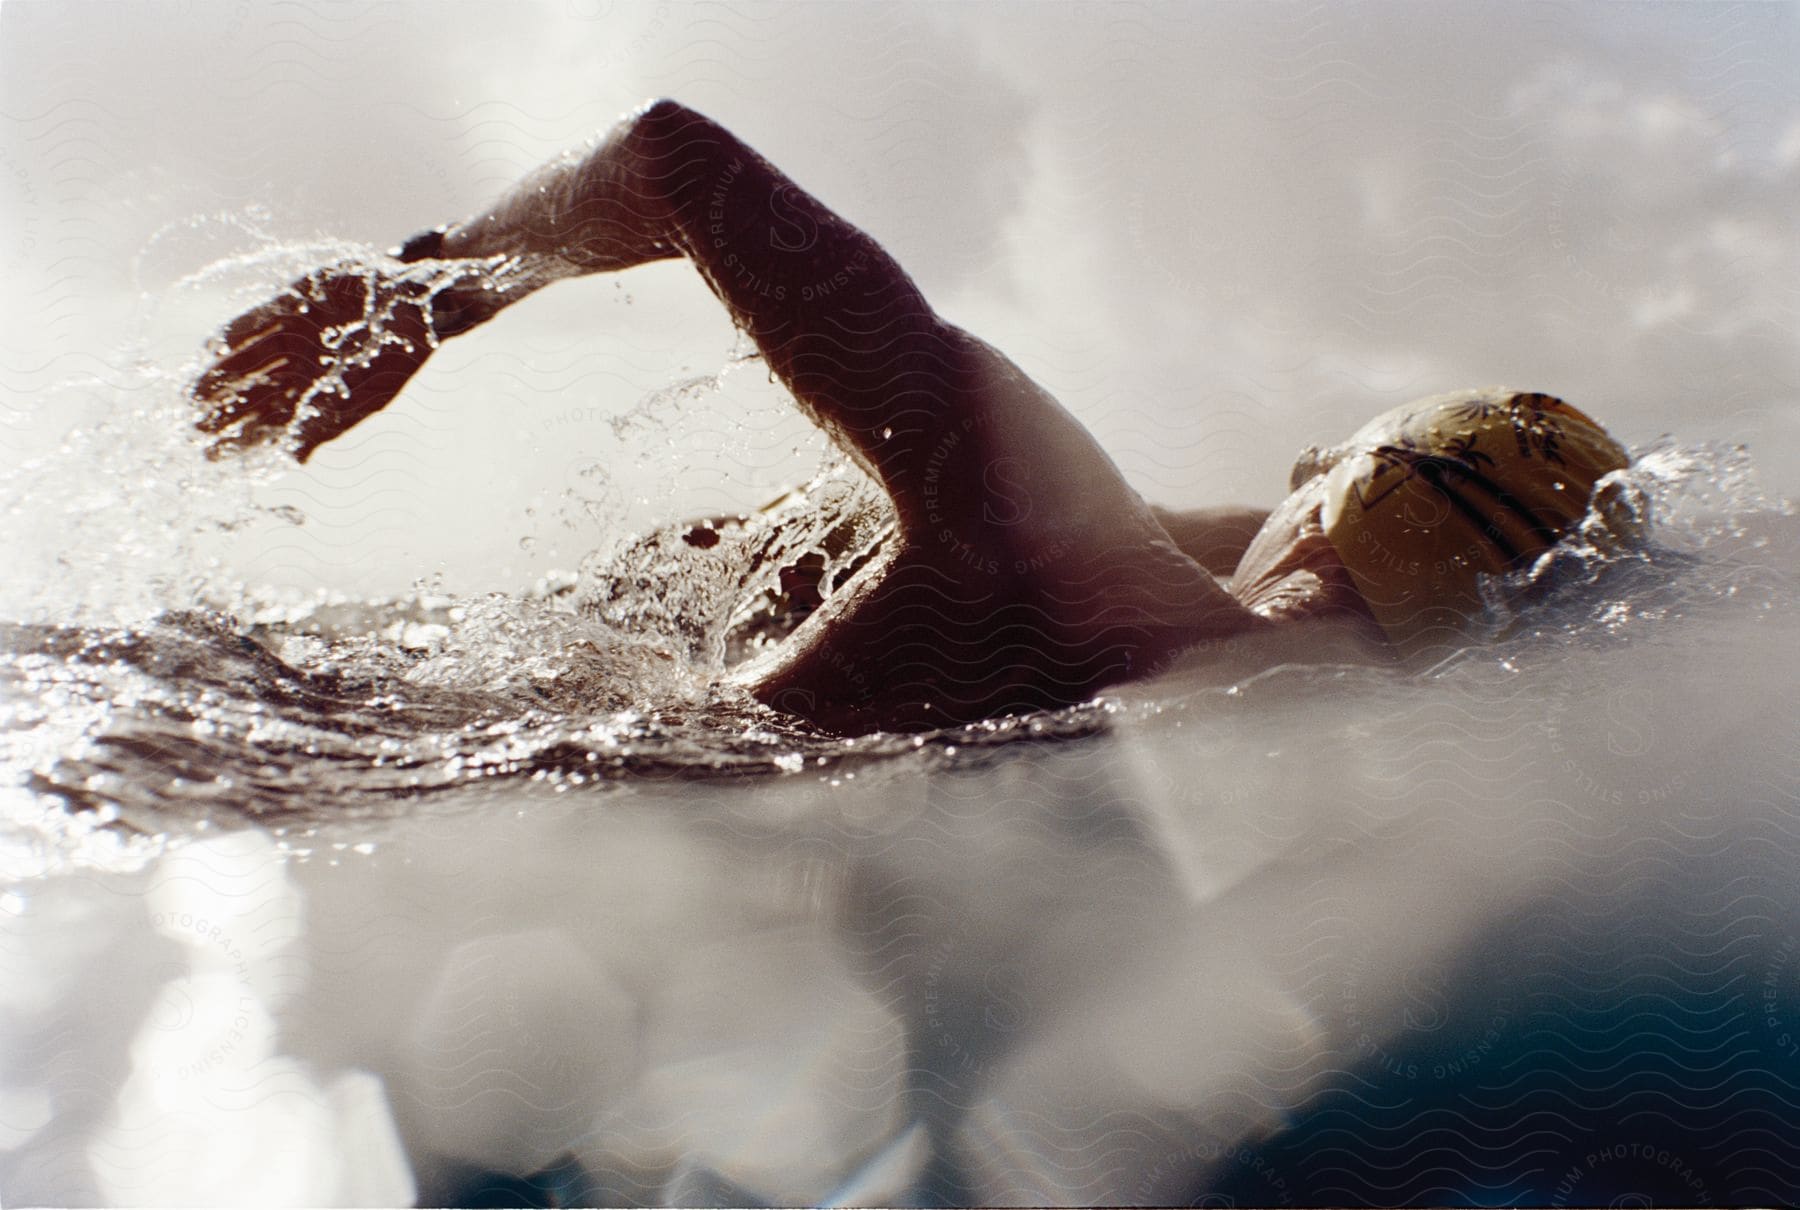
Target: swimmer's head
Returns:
[[1426, 498]]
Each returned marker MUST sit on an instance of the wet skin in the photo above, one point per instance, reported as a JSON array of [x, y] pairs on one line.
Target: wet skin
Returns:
[[1026, 573]]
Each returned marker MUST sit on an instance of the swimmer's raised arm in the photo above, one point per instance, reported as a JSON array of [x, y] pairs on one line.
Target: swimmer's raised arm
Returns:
[[836, 318]]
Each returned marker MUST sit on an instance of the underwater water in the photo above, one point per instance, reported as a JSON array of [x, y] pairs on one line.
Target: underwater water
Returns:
[[499, 899]]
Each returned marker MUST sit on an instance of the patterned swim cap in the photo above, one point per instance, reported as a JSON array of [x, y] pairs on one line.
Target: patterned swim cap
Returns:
[[1427, 497]]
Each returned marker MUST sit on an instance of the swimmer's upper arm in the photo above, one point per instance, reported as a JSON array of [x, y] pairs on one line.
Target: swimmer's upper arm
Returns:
[[836, 318]]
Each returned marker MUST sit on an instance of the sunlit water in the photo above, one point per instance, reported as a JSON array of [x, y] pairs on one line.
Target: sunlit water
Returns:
[[328, 901]]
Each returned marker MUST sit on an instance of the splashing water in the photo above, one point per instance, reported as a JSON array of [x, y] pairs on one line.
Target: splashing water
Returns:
[[148, 690]]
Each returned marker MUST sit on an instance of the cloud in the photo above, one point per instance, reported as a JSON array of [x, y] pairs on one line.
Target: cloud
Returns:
[[1267, 223]]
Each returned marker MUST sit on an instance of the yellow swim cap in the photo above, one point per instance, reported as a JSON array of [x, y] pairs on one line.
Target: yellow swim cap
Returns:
[[1425, 498]]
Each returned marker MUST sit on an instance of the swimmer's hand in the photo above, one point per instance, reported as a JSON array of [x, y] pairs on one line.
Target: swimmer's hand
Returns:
[[332, 348]]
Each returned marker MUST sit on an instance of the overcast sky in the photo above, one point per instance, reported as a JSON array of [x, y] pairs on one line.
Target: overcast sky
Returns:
[[1217, 232]]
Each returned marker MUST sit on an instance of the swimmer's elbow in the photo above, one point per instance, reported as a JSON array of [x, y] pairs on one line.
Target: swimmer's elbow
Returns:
[[664, 117], [662, 109]]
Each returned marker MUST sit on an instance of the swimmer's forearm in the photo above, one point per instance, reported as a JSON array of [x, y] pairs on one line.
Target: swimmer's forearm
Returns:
[[600, 210], [669, 182], [592, 211]]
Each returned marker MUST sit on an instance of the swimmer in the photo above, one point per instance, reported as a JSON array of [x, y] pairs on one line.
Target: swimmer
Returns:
[[1024, 572]]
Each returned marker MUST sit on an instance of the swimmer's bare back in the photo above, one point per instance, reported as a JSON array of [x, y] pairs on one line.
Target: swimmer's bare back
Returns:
[[1027, 573]]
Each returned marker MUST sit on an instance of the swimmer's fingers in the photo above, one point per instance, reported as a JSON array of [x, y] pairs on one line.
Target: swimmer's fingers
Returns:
[[255, 373], [331, 349], [360, 390], [249, 394]]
